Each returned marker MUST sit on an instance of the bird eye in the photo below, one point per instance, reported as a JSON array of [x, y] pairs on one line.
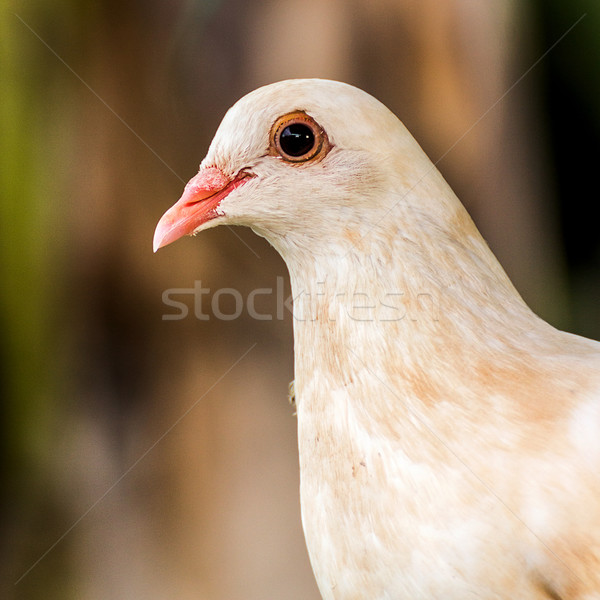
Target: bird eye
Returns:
[[297, 138]]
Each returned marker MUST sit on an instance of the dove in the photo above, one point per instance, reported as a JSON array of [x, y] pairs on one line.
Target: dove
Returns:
[[449, 438]]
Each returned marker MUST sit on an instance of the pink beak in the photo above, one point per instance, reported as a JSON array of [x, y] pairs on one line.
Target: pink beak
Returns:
[[197, 205]]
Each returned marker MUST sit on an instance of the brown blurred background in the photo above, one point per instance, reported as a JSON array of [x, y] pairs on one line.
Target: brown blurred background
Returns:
[[150, 458]]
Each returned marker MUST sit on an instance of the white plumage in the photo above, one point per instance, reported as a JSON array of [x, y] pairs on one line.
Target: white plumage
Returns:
[[449, 439]]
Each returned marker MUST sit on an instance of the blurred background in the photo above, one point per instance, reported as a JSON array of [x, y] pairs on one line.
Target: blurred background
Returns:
[[151, 458]]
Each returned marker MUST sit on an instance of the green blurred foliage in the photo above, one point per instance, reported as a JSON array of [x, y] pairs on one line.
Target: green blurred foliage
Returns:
[[32, 176]]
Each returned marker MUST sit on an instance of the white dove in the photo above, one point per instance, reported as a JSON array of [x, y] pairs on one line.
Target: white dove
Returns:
[[449, 438]]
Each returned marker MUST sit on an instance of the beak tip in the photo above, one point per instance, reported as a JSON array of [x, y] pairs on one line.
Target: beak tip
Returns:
[[160, 239]]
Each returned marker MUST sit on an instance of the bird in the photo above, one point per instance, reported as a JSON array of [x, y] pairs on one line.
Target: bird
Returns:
[[449, 438]]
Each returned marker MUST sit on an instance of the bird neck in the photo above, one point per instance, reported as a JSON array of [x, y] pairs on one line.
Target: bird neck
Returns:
[[399, 304]]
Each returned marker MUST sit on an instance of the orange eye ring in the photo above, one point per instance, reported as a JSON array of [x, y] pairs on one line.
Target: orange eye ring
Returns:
[[298, 138]]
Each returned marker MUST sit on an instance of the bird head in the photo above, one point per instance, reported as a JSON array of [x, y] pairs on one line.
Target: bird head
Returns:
[[296, 161]]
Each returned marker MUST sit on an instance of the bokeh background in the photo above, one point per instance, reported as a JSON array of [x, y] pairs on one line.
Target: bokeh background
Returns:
[[150, 458]]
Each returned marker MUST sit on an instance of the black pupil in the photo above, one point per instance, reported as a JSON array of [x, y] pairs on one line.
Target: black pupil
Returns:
[[297, 139]]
